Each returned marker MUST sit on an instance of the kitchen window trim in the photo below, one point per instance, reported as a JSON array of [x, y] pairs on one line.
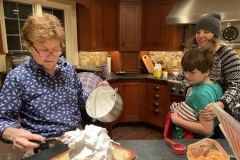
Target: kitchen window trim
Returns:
[[70, 22]]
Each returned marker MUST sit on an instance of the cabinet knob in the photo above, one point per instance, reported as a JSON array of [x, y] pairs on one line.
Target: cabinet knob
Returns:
[[156, 88], [156, 110], [173, 90], [155, 104], [156, 96], [181, 91]]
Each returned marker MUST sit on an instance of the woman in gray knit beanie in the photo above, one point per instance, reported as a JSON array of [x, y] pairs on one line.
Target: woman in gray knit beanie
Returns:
[[211, 25], [226, 70]]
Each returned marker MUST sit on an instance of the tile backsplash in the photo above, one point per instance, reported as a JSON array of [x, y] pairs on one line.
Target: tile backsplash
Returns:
[[94, 59], [172, 59]]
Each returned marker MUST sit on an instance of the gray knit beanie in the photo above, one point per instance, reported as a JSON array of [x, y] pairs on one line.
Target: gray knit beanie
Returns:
[[210, 22]]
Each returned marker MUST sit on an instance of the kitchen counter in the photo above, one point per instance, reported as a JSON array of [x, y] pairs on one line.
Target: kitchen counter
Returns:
[[144, 149], [131, 76]]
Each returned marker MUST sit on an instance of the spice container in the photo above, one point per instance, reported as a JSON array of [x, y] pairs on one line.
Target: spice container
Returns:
[[165, 74]]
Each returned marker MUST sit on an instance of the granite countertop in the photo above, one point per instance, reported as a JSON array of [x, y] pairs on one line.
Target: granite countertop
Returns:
[[144, 149], [131, 76], [127, 76], [89, 68]]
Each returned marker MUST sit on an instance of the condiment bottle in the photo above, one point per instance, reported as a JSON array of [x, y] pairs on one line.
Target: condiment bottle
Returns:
[[157, 71], [175, 73], [104, 70]]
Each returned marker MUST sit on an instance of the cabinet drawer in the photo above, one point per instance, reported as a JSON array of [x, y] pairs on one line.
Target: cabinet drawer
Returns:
[[153, 88], [156, 105], [157, 118]]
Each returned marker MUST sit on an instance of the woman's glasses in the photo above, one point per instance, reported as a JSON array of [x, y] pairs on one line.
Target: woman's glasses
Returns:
[[46, 54]]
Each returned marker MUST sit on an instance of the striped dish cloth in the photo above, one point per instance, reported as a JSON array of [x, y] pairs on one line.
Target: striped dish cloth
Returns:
[[184, 111]]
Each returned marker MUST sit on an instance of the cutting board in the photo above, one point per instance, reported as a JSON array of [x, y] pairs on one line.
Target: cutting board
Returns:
[[119, 153], [148, 63]]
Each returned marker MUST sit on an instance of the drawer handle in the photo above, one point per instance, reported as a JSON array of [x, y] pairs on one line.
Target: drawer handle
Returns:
[[156, 96], [156, 88], [156, 110]]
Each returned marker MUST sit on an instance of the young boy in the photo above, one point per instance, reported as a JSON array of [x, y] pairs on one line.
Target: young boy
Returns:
[[196, 64]]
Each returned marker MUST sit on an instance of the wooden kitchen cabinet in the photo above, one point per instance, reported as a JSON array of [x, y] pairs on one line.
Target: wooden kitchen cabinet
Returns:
[[156, 35], [131, 93], [98, 25], [156, 103], [130, 26], [133, 101], [115, 85], [118, 86]]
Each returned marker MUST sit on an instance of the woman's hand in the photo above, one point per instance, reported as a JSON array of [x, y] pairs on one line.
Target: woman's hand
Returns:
[[208, 112], [103, 83], [21, 138]]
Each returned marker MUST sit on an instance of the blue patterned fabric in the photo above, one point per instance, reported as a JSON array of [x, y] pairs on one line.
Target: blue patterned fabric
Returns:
[[47, 105], [89, 80]]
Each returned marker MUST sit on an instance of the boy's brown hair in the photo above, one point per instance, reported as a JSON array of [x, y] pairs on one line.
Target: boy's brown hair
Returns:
[[199, 59]]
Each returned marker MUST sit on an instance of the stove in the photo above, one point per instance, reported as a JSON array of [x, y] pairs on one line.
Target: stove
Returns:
[[175, 88]]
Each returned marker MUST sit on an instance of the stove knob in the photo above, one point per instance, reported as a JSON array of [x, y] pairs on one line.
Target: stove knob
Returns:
[[173, 89], [181, 91]]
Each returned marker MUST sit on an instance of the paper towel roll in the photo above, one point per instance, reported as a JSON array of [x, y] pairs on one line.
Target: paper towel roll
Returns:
[[109, 65]]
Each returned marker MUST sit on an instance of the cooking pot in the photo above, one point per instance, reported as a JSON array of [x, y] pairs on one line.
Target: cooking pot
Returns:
[[104, 104]]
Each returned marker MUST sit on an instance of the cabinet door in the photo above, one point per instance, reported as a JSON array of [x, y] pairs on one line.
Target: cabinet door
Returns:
[[105, 24], [165, 38], [118, 87], [150, 25], [156, 35], [111, 25], [98, 24], [130, 26], [133, 100]]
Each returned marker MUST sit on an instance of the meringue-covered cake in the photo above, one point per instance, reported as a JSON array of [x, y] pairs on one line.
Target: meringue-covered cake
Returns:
[[92, 143]]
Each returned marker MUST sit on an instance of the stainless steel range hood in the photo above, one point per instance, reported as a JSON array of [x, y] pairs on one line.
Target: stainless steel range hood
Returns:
[[189, 11]]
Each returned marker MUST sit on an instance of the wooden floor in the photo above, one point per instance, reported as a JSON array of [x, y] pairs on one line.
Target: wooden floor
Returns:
[[136, 132]]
